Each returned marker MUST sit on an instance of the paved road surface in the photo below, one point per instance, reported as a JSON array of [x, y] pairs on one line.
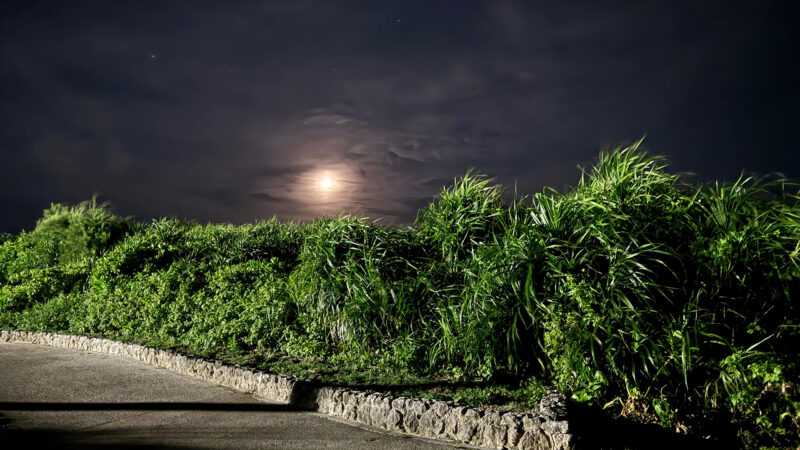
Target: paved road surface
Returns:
[[72, 399]]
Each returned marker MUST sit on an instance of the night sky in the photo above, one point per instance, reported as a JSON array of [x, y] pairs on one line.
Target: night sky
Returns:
[[235, 111]]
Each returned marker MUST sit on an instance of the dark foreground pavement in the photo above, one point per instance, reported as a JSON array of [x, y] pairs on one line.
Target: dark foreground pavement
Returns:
[[59, 398]]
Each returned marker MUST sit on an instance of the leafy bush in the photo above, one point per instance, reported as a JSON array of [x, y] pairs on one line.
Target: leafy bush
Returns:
[[56, 314], [603, 288], [354, 283], [56, 256], [460, 228], [461, 218], [32, 286], [244, 303], [156, 281]]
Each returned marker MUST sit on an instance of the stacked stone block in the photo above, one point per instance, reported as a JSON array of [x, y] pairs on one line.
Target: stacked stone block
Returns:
[[546, 428]]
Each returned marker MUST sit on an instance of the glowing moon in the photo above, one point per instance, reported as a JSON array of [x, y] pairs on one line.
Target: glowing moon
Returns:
[[326, 183]]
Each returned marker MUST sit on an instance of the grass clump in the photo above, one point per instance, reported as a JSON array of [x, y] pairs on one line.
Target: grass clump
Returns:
[[637, 292], [55, 258]]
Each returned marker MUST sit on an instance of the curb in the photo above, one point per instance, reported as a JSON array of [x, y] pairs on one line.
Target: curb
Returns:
[[546, 428]]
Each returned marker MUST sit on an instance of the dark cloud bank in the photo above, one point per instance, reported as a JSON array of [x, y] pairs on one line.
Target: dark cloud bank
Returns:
[[233, 111]]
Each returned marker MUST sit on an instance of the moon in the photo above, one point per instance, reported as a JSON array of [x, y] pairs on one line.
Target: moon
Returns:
[[326, 183]]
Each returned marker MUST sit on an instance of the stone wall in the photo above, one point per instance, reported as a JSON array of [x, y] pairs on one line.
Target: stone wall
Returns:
[[546, 428]]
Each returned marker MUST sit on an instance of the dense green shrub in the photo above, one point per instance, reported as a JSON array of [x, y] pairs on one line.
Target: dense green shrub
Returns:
[[604, 286], [243, 305], [57, 314], [461, 218], [64, 234], [28, 287], [354, 283], [56, 256], [459, 229], [183, 282]]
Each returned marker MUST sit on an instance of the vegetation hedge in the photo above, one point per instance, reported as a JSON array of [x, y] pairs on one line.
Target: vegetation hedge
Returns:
[[635, 291]]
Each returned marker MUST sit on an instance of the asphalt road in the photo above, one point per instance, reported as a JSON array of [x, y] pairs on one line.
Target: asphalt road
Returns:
[[59, 398]]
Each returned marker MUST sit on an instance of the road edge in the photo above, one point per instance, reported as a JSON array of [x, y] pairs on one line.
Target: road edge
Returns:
[[547, 428]]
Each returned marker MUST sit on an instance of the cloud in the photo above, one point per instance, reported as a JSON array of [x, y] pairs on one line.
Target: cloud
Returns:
[[373, 164], [223, 195], [241, 112], [267, 197], [277, 171]]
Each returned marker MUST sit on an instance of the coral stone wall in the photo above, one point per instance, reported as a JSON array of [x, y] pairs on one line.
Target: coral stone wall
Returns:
[[546, 428]]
